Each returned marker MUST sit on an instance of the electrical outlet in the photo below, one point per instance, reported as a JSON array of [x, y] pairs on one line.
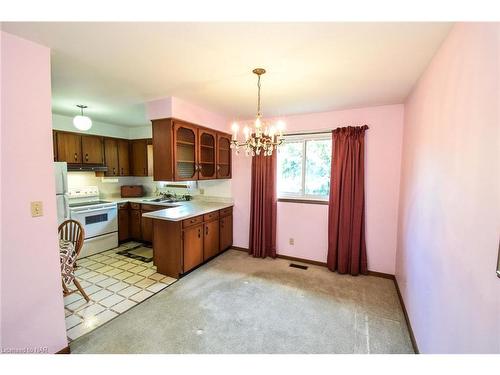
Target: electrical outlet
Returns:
[[36, 209], [201, 191], [291, 241]]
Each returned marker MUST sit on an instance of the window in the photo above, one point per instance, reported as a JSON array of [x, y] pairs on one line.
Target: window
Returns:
[[304, 166]]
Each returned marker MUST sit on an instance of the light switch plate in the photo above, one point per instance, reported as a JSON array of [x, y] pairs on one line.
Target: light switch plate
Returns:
[[291, 241], [36, 209]]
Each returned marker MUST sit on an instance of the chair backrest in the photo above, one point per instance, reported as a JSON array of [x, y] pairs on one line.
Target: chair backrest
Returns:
[[72, 230]]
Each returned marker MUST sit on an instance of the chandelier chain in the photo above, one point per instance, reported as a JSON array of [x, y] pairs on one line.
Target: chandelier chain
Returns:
[[258, 97]]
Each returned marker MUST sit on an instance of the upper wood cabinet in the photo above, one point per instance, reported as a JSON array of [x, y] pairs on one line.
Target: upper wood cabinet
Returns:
[[69, 147], [140, 163], [188, 152], [111, 156], [223, 155], [123, 157], [92, 149], [185, 152], [207, 144]]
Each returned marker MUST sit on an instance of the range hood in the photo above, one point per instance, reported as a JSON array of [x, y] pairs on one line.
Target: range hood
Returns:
[[72, 167]]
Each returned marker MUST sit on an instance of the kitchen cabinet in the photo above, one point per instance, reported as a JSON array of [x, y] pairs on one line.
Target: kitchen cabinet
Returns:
[[69, 147], [207, 141], [192, 245], [139, 157], [111, 156], [211, 239], [225, 229], [123, 222], [223, 155], [135, 222], [123, 157], [188, 152], [147, 223], [92, 149], [185, 152], [180, 246]]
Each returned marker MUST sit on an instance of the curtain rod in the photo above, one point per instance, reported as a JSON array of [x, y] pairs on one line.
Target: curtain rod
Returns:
[[321, 131]]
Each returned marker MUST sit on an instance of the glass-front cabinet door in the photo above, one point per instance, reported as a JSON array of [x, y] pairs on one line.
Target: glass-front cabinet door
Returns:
[[223, 156], [185, 152], [206, 154]]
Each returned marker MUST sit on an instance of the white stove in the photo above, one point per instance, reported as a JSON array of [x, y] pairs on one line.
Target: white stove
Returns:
[[99, 219]]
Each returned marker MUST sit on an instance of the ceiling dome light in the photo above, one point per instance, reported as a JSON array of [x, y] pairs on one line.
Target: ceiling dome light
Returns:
[[82, 122]]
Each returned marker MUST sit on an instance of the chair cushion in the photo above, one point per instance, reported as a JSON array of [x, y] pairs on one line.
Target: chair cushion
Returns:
[[67, 255]]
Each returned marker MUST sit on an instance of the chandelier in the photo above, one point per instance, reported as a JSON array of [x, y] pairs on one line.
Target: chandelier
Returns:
[[264, 137]]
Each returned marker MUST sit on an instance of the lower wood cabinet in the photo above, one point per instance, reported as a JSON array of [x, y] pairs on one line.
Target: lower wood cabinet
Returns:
[[180, 246], [211, 239], [135, 223], [123, 222], [192, 244], [225, 232], [147, 223]]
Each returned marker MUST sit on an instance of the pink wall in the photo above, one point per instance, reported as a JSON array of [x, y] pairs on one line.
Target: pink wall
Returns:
[[306, 223], [32, 312], [178, 108], [449, 207]]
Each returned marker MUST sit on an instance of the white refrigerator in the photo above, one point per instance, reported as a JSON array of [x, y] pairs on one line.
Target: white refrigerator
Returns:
[[61, 176]]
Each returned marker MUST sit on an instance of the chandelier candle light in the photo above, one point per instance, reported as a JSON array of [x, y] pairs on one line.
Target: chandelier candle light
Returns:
[[265, 137]]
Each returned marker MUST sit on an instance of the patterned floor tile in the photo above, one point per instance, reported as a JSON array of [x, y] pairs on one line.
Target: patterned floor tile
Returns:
[[155, 288], [101, 295], [108, 281], [133, 279], [123, 306], [115, 283], [90, 310], [111, 300], [127, 292], [141, 296], [118, 286], [72, 321]]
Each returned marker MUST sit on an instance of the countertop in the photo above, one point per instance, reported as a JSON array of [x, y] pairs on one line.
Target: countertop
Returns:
[[179, 210]]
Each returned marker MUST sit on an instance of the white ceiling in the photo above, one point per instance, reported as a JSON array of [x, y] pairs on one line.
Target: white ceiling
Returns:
[[115, 68]]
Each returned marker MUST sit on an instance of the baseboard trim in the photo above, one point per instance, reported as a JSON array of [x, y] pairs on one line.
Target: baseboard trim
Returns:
[[382, 275], [294, 259], [370, 273], [407, 318], [65, 350]]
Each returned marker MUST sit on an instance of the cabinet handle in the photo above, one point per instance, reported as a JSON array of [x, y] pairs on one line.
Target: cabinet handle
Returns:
[[218, 167], [114, 171], [206, 230], [76, 156], [86, 157], [122, 171], [199, 233]]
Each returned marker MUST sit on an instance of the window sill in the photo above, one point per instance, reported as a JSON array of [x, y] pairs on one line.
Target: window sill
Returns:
[[301, 200]]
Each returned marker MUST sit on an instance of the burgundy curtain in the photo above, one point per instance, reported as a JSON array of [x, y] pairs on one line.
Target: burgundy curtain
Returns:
[[263, 207], [346, 210]]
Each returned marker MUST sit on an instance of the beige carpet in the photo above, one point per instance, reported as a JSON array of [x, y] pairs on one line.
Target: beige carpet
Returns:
[[239, 304]]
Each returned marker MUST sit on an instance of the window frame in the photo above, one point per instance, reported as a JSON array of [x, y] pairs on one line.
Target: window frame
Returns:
[[304, 138]]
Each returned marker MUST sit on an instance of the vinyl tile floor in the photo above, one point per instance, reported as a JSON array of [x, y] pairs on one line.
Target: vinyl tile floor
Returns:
[[114, 283], [239, 304]]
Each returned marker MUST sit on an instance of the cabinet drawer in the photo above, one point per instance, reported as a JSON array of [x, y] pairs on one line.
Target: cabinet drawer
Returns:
[[192, 221], [226, 211], [135, 206], [123, 206], [211, 216], [151, 207]]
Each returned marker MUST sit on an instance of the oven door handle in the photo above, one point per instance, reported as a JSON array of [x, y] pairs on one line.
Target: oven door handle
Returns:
[[94, 210]]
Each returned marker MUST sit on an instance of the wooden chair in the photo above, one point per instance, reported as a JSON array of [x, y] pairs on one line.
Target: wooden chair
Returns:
[[72, 231]]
